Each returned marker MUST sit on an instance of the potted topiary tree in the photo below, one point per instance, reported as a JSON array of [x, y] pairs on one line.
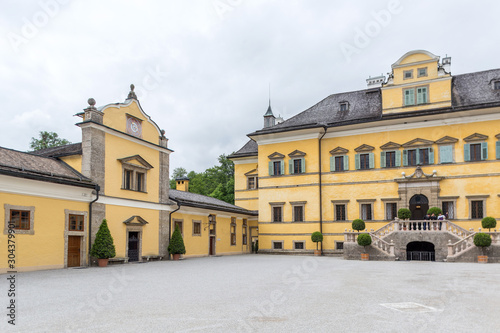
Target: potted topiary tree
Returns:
[[176, 246], [317, 237], [482, 240], [103, 247], [358, 224], [404, 214], [434, 210], [364, 240], [488, 222]]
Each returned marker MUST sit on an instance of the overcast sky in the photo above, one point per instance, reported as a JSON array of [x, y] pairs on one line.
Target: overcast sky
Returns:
[[203, 68]]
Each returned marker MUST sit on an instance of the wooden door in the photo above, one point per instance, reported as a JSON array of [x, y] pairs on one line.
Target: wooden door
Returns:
[[74, 243], [212, 246]]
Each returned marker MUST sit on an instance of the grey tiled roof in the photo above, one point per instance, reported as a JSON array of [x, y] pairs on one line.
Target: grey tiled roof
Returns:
[[26, 165], [249, 149], [202, 201], [468, 91], [66, 150]]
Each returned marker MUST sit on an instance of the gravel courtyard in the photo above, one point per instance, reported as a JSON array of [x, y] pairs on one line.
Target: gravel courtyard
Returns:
[[260, 293]]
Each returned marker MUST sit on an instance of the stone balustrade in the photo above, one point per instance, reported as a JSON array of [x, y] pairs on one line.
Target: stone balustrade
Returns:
[[468, 242], [377, 242]]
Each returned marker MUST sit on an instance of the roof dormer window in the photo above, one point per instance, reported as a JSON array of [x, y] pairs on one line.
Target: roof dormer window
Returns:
[[344, 106], [496, 85]]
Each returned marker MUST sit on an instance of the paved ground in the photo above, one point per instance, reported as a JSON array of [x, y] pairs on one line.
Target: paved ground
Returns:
[[260, 293]]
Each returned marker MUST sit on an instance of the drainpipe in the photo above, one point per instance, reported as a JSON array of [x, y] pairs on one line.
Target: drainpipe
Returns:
[[320, 189], [170, 220], [97, 189]]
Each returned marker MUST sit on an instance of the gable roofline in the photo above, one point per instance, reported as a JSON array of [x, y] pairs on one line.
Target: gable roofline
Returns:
[[407, 54]]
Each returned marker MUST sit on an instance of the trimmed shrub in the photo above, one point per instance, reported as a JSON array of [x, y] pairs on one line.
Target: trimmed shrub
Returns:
[[404, 213], [358, 224], [176, 245], [103, 247], [488, 222], [482, 240], [434, 210], [364, 240], [317, 237]]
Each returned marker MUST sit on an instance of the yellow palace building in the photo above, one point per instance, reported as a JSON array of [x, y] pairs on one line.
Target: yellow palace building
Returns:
[[418, 138], [54, 200]]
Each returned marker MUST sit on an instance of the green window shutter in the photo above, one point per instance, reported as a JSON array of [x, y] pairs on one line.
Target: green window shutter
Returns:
[[431, 155], [332, 163], [290, 166], [371, 160], [446, 154], [498, 150], [282, 164], [398, 158], [346, 162], [356, 161], [271, 169], [382, 159], [484, 150], [467, 152], [303, 165], [417, 151], [421, 95], [409, 96], [405, 157]]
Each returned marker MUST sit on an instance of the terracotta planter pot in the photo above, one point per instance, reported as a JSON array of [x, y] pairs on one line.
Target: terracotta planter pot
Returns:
[[176, 256], [103, 262], [482, 259], [317, 252], [365, 256]]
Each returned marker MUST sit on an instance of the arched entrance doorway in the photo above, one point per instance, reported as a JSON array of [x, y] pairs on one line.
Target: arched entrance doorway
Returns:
[[419, 205], [420, 251]]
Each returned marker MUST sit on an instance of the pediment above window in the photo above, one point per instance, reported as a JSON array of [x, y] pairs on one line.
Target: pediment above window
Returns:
[[253, 172], [136, 161], [476, 137], [497, 136], [390, 145], [135, 220], [339, 151], [446, 139], [364, 148], [418, 142], [297, 153], [276, 156]]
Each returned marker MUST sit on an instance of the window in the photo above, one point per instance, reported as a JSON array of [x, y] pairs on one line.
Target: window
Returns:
[[390, 159], [344, 106], [277, 214], [134, 173], [276, 168], [476, 151], [277, 245], [498, 149], [233, 230], [422, 72], [339, 163], [391, 211], [364, 161], [422, 95], [366, 212], [418, 156], [244, 232], [497, 85], [339, 245], [421, 92], [128, 179], [340, 213], [448, 208], [196, 228], [76, 222], [140, 181], [298, 245], [252, 183], [476, 209], [178, 223], [297, 165], [20, 219], [408, 74], [298, 213], [446, 154]]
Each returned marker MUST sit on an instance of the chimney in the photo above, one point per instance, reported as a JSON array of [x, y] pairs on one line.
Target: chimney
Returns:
[[375, 82], [182, 184]]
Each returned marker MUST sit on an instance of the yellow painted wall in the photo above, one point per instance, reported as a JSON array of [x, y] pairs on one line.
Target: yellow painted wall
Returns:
[[244, 197], [44, 249], [74, 161]]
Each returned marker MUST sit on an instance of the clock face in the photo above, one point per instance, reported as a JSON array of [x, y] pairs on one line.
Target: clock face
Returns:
[[134, 126]]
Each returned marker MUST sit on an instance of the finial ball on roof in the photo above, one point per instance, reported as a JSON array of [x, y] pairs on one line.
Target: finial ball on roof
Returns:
[[132, 87], [91, 101], [162, 132]]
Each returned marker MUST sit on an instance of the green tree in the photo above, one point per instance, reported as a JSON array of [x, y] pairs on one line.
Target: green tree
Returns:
[[178, 173], [176, 245], [47, 140], [358, 224], [364, 240], [103, 247], [317, 237], [488, 222]]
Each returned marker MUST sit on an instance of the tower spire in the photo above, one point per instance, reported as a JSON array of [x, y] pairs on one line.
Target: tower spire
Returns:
[[269, 118]]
